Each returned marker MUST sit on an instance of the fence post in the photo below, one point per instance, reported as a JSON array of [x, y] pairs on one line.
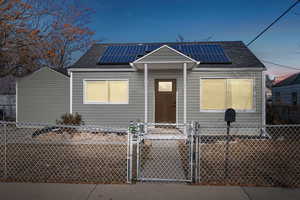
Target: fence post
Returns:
[[192, 153], [141, 129], [129, 152], [227, 151], [5, 151], [194, 149]]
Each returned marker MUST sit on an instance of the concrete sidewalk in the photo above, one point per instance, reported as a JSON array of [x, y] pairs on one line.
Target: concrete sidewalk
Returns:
[[35, 191]]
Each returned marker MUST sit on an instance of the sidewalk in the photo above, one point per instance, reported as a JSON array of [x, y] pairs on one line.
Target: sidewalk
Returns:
[[35, 191]]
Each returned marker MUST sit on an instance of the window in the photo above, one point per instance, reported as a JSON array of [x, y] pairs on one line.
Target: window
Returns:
[[106, 92], [164, 86], [294, 98], [220, 94]]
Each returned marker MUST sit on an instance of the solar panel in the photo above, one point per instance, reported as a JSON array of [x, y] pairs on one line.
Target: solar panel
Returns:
[[123, 54], [205, 53], [152, 47]]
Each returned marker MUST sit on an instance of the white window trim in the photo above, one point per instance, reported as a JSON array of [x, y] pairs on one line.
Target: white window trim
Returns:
[[223, 110], [103, 103]]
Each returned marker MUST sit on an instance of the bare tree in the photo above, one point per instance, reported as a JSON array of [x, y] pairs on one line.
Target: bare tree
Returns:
[[37, 33]]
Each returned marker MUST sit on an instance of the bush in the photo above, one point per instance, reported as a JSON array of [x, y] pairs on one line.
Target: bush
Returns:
[[70, 119]]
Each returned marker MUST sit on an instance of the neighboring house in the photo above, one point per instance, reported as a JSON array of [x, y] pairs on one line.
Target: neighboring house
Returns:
[[269, 84], [43, 96], [7, 98], [287, 90], [113, 84], [268, 95], [286, 98]]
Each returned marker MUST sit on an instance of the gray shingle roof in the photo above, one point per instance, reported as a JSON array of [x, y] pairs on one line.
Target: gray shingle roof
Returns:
[[240, 55], [63, 71]]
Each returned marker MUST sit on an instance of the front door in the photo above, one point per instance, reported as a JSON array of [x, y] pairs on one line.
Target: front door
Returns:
[[165, 100]]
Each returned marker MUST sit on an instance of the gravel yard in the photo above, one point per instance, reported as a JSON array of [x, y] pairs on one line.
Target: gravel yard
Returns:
[[51, 157], [251, 162]]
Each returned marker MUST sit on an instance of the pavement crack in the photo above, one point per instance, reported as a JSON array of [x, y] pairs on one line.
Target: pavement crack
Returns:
[[92, 190], [246, 193]]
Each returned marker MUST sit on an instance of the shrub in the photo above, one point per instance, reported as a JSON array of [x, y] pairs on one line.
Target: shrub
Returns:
[[70, 119]]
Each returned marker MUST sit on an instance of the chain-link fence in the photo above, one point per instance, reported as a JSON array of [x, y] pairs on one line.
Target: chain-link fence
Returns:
[[164, 153], [266, 156], [54, 153], [239, 155]]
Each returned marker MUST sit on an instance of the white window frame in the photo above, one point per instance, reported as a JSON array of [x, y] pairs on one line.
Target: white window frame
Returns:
[[223, 110], [103, 103]]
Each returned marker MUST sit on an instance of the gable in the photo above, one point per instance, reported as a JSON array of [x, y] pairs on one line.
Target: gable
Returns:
[[43, 74], [164, 54]]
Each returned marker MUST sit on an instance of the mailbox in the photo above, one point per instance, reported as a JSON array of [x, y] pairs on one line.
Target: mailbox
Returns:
[[230, 115]]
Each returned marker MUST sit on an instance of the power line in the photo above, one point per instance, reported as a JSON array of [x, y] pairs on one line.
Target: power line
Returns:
[[274, 22], [280, 65]]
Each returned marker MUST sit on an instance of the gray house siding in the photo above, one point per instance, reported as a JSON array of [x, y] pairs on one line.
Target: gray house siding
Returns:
[[109, 114], [43, 96], [164, 54], [122, 114]]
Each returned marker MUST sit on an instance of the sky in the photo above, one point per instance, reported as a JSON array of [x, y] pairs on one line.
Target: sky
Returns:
[[231, 20]]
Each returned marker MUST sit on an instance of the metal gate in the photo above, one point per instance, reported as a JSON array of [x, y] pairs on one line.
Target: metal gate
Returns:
[[164, 152]]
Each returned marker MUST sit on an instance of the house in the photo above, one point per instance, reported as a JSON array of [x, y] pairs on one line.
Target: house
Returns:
[[287, 90], [285, 98], [113, 84], [42, 96], [7, 98]]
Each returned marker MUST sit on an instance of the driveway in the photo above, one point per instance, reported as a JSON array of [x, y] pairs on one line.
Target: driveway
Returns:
[[35, 191]]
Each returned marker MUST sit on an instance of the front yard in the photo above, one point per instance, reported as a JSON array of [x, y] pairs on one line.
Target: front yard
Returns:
[[50, 157], [88, 156], [251, 162]]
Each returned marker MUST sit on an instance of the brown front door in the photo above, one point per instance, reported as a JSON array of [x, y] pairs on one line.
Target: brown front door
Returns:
[[165, 101]]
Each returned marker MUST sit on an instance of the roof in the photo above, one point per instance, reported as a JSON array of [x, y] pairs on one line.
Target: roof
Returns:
[[165, 50], [280, 78], [8, 83], [289, 80], [62, 71], [239, 54]]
